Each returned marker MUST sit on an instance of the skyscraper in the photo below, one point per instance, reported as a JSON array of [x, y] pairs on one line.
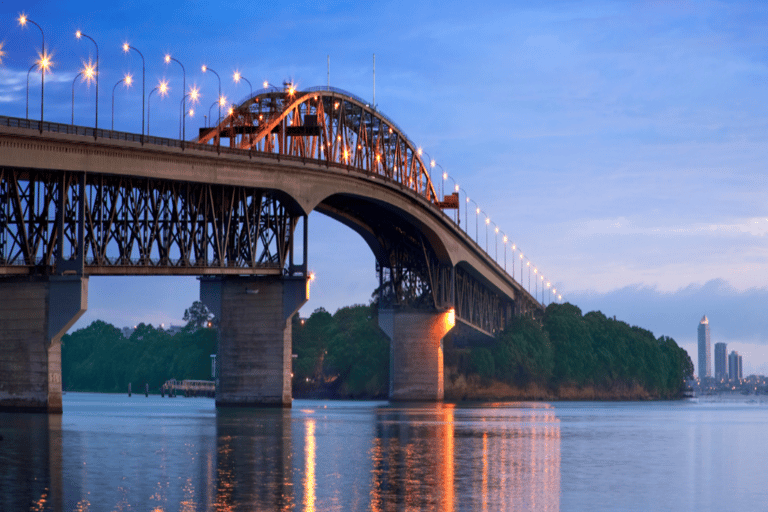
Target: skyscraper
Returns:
[[705, 350], [721, 361], [734, 366]]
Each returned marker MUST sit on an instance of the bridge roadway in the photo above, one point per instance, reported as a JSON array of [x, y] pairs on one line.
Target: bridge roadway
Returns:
[[44, 286]]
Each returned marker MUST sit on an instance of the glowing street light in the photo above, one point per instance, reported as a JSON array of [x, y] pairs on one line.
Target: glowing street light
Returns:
[[162, 88], [236, 76], [87, 73], [79, 35], [28, 72], [126, 48], [43, 63], [128, 80], [205, 69], [168, 59], [194, 96]]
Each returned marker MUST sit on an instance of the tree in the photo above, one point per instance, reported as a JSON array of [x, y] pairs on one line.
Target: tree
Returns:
[[198, 316]]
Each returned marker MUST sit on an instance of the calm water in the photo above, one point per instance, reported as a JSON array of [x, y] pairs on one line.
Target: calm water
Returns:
[[111, 452]]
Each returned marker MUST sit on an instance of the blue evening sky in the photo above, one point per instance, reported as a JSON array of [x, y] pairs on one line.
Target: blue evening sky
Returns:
[[621, 145]]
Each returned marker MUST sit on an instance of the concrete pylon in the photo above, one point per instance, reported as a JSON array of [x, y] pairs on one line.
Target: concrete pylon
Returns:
[[35, 312], [416, 361], [255, 346]]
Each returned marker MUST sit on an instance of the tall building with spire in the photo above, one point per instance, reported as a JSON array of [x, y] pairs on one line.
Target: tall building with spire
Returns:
[[705, 350]]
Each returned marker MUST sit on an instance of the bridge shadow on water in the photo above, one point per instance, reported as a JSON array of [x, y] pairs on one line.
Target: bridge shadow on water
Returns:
[[182, 454]]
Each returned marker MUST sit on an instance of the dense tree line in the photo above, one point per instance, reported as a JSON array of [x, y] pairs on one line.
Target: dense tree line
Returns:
[[99, 358], [341, 355], [568, 348], [347, 355]]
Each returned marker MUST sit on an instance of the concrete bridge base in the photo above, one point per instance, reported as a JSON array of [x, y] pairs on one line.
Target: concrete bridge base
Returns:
[[35, 312], [416, 352], [254, 360]]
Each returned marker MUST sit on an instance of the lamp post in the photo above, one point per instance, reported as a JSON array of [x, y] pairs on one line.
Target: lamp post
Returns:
[[237, 77], [205, 69], [496, 241], [128, 79], [79, 34], [536, 281], [28, 72], [168, 59], [44, 64], [528, 264], [88, 73], [126, 48], [487, 221], [78, 75], [504, 239], [163, 88], [194, 94]]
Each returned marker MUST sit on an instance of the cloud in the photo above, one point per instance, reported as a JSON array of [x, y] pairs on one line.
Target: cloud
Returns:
[[734, 316]]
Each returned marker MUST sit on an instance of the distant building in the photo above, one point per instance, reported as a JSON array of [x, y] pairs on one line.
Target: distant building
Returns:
[[721, 361], [705, 350], [734, 366], [127, 331]]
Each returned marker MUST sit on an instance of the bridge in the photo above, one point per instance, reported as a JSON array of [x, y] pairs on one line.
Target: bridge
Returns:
[[232, 207]]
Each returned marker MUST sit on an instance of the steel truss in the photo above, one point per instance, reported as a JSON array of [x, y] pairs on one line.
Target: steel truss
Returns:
[[121, 225], [326, 125]]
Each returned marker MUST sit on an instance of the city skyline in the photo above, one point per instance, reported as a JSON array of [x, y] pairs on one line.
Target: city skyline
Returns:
[[620, 145]]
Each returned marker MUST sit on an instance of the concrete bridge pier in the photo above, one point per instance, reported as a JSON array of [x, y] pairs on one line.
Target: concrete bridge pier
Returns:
[[254, 356], [416, 352], [35, 312]]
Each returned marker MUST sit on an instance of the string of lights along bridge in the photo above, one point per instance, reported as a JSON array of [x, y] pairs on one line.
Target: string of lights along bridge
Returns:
[[487, 235]]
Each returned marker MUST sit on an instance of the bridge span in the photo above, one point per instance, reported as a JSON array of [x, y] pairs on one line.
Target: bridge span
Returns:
[[232, 207]]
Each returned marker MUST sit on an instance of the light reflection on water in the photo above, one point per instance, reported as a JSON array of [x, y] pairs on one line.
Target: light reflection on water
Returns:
[[115, 453]]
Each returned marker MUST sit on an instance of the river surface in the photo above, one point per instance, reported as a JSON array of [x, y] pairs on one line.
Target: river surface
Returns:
[[111, 452]]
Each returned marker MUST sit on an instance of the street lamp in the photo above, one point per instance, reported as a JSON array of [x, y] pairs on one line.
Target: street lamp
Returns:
[[496, 241], [88, 73], [128, 79], [163, 88], [194, 95], [487, 221], [205, 69], [79, 34], [43, 64], [126, 48], [28, 72], [504, 239], [237, 77], [168, 59]]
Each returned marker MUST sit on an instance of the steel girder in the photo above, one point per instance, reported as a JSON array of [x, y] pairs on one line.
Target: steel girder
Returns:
[[129, 225]]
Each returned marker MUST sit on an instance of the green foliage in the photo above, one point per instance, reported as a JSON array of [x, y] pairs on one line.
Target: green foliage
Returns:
[[571, 349], [98, 357], [344, 355]]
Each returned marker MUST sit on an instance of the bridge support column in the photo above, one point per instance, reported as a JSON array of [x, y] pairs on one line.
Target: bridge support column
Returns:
[[416, 352], [35, 312], [255, 346]]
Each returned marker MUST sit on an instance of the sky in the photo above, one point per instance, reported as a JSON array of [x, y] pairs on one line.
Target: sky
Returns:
[[620, 145]]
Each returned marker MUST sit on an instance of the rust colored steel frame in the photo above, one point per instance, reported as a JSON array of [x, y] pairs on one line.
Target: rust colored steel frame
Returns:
[[128, 225], [329, 126]]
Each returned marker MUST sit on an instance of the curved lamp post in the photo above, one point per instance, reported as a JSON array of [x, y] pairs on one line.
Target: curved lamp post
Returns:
[[28, 72], [43, 64], [88, 72], [236, 76], [168, 59], [79, 35], [205, 69], [194, 94], [128, 79], [78, 75], [126, 48], [163, 88]]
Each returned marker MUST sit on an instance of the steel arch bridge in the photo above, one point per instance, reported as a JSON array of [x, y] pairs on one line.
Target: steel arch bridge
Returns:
[[121, 203]]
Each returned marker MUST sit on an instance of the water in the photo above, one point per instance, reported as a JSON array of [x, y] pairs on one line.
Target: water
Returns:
[[111, 452]]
